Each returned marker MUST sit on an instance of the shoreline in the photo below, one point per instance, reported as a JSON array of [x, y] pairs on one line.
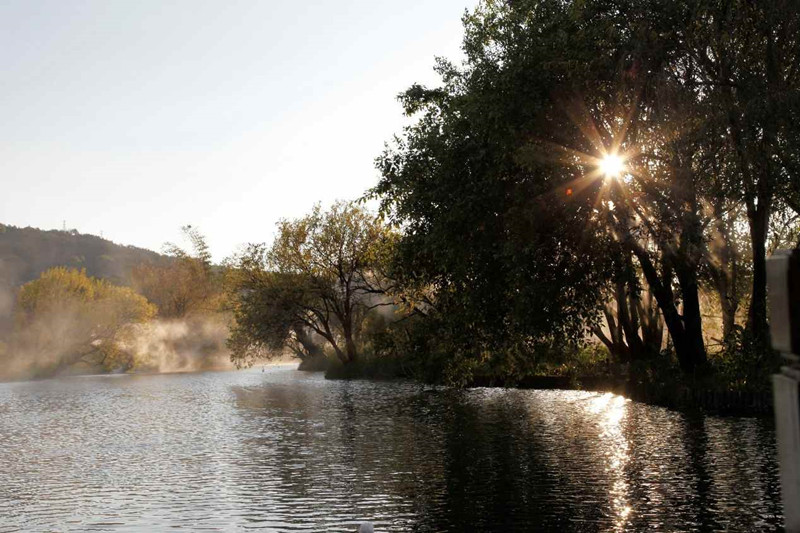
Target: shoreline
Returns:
[[684, 400]]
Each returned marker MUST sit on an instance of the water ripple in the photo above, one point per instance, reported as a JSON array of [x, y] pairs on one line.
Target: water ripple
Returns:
[[289, 451]]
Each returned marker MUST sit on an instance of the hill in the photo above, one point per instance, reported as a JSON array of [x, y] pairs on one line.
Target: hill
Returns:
[[27, 252]]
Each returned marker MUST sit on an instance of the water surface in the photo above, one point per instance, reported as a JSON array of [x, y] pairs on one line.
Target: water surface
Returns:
[[289, 451]]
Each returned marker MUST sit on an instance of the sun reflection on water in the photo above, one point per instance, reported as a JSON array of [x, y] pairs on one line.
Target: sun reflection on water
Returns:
[[610, 410]]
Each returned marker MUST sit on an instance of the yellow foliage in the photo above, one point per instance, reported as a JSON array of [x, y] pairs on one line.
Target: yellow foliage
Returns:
[[65, 317]]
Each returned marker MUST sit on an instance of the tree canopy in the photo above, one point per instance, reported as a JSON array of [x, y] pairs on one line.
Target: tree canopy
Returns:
[[513, 222], [316, 283], [185, 284], [66, 317]]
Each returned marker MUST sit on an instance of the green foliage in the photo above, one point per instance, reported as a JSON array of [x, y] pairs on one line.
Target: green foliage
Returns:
[[316, 284], [579, 361], [266, 306], [741, 366], [508, 260], [512, 237]]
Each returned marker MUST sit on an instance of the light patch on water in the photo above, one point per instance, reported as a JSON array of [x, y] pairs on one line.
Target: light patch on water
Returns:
[[610, 410]]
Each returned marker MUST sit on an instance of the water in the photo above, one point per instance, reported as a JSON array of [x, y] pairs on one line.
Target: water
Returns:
[[288, 451]]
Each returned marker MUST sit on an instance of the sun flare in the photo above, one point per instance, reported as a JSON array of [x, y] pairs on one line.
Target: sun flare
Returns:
[[612, 166]]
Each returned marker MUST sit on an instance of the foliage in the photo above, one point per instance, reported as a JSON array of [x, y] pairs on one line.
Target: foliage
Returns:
[[316, 283], [265, 313], [512, 234], [738, 366], [66, 317], [511, 261], [25, 253], [185, 285]]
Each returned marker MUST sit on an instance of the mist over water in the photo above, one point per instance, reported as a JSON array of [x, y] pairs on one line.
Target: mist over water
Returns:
[[45, 348], [289, 451], [181, 345]]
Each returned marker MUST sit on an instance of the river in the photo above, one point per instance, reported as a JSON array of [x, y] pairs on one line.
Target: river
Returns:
[[282, 450]]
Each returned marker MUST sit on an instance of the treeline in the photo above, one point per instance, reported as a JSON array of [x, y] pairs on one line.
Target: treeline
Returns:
[[618, 167], [593, 174], [25, 253]]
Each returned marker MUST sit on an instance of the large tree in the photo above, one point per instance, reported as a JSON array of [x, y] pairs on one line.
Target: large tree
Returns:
[[509, 217], [745, 57], [513, 256], [320, 278], [267, 310]]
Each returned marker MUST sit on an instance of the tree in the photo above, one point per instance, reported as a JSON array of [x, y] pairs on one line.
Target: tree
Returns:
[[657, 214], [186, 284], [66, 317], [266, 319], [507, 238], [634, 324], [745, 56], [504, 159], [320, 277]]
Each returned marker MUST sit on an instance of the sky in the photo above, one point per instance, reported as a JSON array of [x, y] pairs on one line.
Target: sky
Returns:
[[132, 118]]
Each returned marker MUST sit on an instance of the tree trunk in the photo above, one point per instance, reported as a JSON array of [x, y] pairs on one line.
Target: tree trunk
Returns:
[[310, 349], [615, 344], [757, 326], [723, 266], [652, 325], [628, 319], [687, 262], [694, 350], [351, 353], [686, 336], [728, 319], [350, 346]]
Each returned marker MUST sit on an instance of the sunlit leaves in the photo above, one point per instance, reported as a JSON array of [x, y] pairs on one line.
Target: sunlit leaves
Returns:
[[65, 317]]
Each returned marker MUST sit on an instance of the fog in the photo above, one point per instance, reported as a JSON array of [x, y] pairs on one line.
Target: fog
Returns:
[[181, 345], [68, 342]]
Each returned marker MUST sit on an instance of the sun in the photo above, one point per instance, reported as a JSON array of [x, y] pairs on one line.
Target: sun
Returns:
[[612, 166]]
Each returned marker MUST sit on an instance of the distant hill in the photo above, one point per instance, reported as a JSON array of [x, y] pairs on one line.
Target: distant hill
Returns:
[[27, 252]]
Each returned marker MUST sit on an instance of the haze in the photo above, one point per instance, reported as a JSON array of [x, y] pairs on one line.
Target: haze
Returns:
[[131, 119]]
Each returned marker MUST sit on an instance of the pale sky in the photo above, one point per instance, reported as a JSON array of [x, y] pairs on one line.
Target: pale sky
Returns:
[[135, 117]]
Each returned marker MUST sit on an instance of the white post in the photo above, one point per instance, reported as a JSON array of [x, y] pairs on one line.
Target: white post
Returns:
[[783, 279], [787, 425]]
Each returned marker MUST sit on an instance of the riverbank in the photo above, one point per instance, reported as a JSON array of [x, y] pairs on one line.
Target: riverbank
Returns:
[[711, 401], [676, 396]]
